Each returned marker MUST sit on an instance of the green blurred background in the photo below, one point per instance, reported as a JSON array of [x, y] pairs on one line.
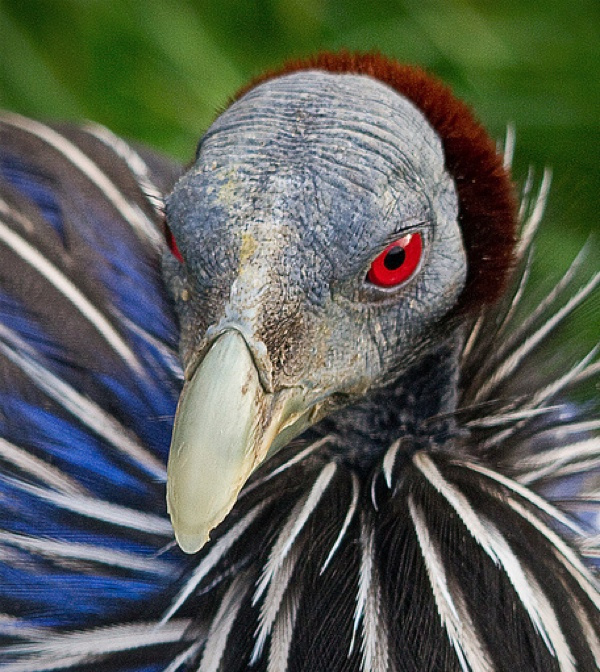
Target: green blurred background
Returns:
[[159, 71]]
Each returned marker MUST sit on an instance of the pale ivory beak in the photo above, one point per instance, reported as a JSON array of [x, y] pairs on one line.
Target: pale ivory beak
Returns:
[[224, 427]]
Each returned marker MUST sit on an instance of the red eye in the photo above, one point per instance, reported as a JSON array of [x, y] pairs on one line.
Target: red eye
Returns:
[[397, 263], [170, 240]]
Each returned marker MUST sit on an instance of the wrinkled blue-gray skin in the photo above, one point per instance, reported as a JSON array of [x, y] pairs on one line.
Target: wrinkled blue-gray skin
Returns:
[[297, 187]]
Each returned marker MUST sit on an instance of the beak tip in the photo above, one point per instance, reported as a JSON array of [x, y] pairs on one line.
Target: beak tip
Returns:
[[191, 543]]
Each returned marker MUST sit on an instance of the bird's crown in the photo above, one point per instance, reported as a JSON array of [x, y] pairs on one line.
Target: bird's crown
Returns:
[[487, 209]]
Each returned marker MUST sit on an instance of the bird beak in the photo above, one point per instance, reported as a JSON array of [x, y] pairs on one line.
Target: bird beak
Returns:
[[225, 426]]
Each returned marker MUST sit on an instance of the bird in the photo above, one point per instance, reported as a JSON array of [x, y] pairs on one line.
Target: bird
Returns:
[[295, 406]]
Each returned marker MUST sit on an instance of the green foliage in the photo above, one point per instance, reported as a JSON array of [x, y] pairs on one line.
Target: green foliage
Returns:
[[160, 70]]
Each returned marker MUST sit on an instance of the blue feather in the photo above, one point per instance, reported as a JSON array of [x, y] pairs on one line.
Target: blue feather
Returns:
[[35, 187]]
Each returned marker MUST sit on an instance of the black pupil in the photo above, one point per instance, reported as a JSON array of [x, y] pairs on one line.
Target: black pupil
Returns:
[[394, 258]]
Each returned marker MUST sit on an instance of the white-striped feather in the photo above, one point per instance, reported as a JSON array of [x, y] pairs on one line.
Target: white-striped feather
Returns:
[[527, 494], [471, 340], [109, 557], [389, 459], [540, 398], [143, 226], [590, 547], [507, 319], [272, 604], [589, 371], [66, 651], [347, 520], [500, 419], [138, 167], [525, 246], [588, 630], [43, 664], [583, 467], [220, 548], [525, 199], [512, 361], [85, 410], [12, 626], [454, 616], [295, 459], [292, 528], [58, 280], [491, 540], [559, 384], [279, 567], [552, 632], [564, 430], [544, 305], [169, 355], [577, 457], [283, 630], [101, 510], [509, 147], [532, 222], [176, 665], [566, 555], [39, 469], [222, 624], [368, 613], [12, 214], [582, 500]]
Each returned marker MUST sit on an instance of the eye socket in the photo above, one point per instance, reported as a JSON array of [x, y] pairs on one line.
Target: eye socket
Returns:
[[398, 262], [172, 245]]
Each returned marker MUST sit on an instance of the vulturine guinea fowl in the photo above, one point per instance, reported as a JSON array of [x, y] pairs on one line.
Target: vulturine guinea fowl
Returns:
[[395, 469]]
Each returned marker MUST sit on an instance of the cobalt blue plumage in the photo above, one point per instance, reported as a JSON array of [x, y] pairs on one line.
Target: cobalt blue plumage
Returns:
[[82, 439]]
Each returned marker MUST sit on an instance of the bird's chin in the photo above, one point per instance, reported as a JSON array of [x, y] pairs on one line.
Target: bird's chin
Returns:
[[225, 426]]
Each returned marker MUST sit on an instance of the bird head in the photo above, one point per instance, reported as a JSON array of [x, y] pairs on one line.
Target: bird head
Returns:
[[340, 216]]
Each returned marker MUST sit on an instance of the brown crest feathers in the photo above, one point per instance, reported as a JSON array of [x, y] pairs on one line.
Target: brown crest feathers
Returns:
[[487, 210]]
